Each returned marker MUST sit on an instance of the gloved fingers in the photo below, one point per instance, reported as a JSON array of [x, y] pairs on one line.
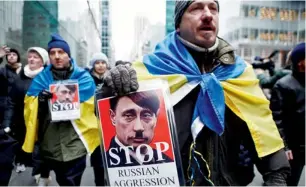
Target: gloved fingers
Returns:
[[116, 78], [125, 79], [108, 80], [133, 79]]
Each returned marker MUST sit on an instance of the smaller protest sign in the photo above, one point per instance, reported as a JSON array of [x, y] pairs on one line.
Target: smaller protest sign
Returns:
[[65, 102]]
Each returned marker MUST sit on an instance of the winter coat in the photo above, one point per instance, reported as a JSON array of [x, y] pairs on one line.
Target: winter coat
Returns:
[[7, 79], [268, 82], [288, 107], [219, 155], [13, 115], [98, 81]]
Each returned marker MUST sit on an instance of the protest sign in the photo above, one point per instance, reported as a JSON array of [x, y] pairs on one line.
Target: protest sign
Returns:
[[137, 142], [65, 102]]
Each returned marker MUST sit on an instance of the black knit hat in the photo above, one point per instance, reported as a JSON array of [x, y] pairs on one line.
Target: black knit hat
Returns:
[[14, 51], [180, 8]]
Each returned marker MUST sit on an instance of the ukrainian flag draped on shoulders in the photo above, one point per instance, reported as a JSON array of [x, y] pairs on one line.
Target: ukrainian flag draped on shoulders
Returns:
[[234, 85], [86, 127]]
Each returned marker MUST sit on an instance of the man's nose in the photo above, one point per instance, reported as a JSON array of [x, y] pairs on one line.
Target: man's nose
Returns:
[[56, 55], [138, 125], [206, 14]]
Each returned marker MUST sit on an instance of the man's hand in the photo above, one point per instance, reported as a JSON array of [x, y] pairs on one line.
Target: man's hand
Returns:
[[289, 155], [121, 79], [4, 50], [44, 95]]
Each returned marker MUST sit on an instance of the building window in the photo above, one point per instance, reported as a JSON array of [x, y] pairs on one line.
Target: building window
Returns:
[[291, 37], [244, 11], [263, 35], [283, 36], [303, 15], [236, 35], [253, 12], [247, 52], [288, 15], [293, 14], [302, 36], [268, 13], [245, 34], [254, 34]]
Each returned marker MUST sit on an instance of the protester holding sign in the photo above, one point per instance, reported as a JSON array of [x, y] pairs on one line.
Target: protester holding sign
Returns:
[[216, 99], [64, 143]]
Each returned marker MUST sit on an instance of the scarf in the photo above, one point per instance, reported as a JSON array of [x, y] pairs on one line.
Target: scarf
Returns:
[[179, 61], [232, 84], [31, 73]]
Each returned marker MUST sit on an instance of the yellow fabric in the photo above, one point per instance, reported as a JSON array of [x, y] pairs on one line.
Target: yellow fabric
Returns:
[[30, 118], [245, 98], [87, 125], [175, 81]]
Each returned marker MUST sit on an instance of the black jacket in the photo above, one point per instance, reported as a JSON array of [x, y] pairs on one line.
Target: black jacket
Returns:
[[288, 107], [219, 155], [13, 115], [98, 81], [7, 78], [221, 152]]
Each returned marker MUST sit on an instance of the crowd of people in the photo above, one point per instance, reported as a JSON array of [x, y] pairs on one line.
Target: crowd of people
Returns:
[[224, 121]]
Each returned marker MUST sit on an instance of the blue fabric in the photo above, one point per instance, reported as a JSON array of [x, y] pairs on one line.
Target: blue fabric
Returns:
[[58, 42], [172, 57], [44, 79]]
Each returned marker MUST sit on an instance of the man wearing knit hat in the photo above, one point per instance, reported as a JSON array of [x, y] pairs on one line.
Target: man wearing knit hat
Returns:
[[63, 144], [217, 102], [288, 103]]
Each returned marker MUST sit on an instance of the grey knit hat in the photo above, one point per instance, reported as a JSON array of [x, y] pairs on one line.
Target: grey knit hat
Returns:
[[180, 8]]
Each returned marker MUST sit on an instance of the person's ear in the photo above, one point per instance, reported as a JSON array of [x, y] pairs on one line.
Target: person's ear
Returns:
[[112, 116]]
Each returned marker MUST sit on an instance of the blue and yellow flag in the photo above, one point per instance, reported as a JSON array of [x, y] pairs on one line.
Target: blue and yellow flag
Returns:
[[234, 85], [86, 127]]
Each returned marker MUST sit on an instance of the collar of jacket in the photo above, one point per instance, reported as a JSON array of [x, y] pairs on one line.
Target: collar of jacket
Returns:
[[221, 50], [62, 74]]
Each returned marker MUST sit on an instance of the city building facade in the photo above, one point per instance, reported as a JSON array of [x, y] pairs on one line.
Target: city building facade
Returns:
[[106, 30], [265, 26], [170, 6]]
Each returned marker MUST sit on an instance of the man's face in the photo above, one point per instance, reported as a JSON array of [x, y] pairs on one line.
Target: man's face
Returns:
[[12, 57], [59, 58], [34, 61], [301, 66], [134, 125], [100, 67], [64, 95], [200, 23]]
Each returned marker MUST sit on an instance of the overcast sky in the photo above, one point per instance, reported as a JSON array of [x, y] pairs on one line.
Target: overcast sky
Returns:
[[124, 12]]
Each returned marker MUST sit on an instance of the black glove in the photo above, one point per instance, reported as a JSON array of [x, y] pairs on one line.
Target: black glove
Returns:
[[44, 95], [121, 80]]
